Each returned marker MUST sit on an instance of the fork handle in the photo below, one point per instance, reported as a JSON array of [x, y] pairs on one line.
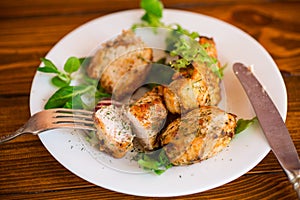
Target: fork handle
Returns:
[[13, 135]]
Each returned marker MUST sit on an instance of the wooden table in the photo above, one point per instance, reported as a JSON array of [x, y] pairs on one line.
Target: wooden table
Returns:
[[29, 29]]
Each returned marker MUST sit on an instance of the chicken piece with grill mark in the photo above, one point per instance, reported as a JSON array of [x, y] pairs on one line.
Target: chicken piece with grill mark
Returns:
[[121, 65], [212, 81], [198, 135], [194, 86], [147, 116]]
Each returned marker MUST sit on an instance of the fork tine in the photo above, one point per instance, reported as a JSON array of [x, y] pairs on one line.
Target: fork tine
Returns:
[[69, 118], [74, 126], [72, 120], [74, 114], [71, 112]]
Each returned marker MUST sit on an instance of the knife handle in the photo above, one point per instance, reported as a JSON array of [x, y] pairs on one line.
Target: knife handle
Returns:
[[294, 177]]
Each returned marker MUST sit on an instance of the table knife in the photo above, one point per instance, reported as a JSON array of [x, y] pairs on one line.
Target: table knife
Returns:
[[271, 123]]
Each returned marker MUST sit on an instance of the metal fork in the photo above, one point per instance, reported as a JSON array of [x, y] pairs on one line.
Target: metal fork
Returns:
[[54, 119]]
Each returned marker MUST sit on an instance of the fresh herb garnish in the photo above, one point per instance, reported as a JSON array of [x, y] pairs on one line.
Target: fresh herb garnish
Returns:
[[187, 48], [154, 12], [62, 78], [191, 51], [68, 96], [153, 15], [243, 124], [157, 161]]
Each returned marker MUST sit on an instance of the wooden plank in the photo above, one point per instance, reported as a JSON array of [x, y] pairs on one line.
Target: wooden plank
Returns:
[[270, 186], [29, 8], [29, 29]]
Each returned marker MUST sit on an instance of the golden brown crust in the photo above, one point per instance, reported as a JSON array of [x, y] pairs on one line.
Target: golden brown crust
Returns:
[[194, 86], [198, 135], [147, 116], [121, 65], [210, 47]]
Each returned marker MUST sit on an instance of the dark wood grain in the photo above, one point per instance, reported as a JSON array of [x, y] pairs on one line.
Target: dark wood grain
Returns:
[[29, 29]]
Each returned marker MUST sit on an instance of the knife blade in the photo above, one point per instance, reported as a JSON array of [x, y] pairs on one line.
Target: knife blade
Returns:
[[271, 123]]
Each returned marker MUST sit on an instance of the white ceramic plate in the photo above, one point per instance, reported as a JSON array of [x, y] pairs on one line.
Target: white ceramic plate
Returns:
[[244, 152]]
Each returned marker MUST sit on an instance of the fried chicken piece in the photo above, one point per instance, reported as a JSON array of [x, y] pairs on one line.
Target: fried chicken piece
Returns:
[[198, 135], [147, 116], [114, 131], [185, 94], [194, 86], [203, 73], [121, 65]]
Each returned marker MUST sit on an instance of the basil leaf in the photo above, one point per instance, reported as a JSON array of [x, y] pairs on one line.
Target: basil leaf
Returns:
[[68, 104], [75, 103], [153, 8], [64, 77], [58, 82], [60, 97], [70, 96], [148, 163], [151, 19], [243, 124], [72, 65], [65, 94], [157, 162], [47, 70], [49, 66]]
